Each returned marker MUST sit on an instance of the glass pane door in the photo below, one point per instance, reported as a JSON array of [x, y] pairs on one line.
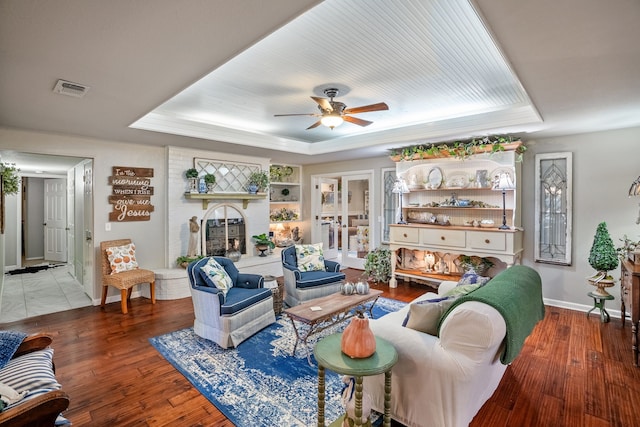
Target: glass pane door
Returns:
[[327, 218], [355, 219]]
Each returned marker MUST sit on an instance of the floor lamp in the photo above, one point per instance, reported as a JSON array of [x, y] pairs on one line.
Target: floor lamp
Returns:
[[504, 183], [400, 187]]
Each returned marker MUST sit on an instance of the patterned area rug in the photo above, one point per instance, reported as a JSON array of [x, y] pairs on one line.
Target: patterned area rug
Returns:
[[259, 383]]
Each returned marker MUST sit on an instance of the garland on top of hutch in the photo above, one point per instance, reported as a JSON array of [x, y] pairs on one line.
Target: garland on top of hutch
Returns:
[[459, 149]]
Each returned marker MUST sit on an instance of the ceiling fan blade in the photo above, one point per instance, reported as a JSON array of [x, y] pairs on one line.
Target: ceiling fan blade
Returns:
[[302, 114], [323, 103], [356, 121], [315, 125], [366, 108]]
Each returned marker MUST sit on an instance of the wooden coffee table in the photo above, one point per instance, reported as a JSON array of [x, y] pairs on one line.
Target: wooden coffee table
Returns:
[[318, 314]]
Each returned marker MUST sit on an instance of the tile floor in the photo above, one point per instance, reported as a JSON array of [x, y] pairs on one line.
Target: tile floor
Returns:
[[47, 291]]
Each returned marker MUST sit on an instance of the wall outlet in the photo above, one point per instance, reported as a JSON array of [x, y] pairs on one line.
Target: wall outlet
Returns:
[[107, 226]]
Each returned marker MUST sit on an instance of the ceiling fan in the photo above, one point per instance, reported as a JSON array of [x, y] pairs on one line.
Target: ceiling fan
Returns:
[[333, 113]]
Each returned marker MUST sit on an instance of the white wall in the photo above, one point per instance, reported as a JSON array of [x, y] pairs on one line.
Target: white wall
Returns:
[[604, 166], [11, 229]]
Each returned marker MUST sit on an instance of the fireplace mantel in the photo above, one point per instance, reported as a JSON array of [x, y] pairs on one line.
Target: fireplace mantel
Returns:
[[245, 197]]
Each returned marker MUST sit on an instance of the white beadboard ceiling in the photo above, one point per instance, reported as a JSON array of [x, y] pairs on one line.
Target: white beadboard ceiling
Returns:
[[210, 74], [433, 62]]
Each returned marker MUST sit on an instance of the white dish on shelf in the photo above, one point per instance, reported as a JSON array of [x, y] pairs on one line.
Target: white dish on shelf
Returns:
[[434, 178], [487, 223], [457, 180]]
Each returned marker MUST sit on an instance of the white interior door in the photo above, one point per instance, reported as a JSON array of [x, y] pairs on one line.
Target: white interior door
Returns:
[[356, 219], [325, 216], [55, 219]]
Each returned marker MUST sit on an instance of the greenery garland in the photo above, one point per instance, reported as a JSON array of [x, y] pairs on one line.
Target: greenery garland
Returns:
[[456, 149]]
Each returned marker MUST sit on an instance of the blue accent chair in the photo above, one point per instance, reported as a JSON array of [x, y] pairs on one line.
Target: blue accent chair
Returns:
[[229, 320], [301, 286]]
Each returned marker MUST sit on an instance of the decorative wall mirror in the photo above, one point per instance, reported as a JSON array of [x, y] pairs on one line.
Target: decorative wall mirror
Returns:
[[553, 213]]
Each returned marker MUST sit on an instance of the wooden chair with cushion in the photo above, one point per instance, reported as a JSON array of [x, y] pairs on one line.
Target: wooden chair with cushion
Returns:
[[126, 274]]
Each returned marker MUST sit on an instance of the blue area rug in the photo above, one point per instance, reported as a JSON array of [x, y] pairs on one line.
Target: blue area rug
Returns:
[[259, 383]]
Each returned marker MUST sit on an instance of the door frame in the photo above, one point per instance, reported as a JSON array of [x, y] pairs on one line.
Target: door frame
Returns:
[[369, 174]]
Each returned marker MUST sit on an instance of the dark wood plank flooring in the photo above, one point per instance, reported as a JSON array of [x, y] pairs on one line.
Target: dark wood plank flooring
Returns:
[[573, 370]]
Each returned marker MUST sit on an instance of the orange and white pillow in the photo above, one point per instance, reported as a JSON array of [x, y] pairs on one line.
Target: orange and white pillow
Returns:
[[122, 258]]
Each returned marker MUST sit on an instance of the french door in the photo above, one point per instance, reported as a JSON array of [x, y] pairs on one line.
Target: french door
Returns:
[[355, 219], [326, 216], [341, 210]]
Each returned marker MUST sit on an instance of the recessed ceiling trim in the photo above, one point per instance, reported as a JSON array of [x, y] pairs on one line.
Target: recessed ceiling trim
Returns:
[[458, 127]]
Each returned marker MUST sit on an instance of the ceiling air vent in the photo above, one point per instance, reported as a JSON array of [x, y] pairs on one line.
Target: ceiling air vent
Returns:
[[64, 87]]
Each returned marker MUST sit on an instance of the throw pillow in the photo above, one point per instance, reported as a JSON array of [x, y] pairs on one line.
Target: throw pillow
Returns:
[[423, 316], [122, 258], [310, 257], [472, 278], [216, 276], [31, 373], [461, 290]]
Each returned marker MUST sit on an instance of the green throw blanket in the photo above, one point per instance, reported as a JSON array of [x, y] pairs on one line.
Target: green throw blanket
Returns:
[[517, 295]]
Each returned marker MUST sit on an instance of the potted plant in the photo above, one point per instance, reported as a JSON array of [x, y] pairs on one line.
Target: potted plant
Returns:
[[192, 177], [258, 181], [263, 243], [10, 179], [9, 184], [184, 260], [604, 258], [210, 180], [377, 265]]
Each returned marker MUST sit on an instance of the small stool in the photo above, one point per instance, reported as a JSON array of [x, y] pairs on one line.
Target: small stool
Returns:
[[598, 302]]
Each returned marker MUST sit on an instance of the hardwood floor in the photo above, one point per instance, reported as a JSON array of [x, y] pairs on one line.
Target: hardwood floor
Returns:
[[573, 370]]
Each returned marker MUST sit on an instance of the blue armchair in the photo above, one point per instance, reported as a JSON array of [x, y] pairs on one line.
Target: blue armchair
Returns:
[[229, 320], [301, 286]]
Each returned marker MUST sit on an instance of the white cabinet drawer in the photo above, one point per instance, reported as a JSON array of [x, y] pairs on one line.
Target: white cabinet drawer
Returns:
[[440, 237], [492, 241], [404, 235]]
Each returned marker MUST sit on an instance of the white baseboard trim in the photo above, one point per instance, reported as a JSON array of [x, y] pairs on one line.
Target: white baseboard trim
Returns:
[[580, 307]]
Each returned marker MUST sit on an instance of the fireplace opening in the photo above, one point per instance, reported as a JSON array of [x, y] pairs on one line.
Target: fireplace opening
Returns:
[[224, 230], [222, 235]]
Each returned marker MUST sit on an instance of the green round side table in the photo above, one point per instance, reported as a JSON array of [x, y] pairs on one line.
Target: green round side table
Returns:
[[598, 302], [328, 355]]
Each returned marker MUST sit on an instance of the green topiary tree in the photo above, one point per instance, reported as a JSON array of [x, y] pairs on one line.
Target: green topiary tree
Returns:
[[603, 256]]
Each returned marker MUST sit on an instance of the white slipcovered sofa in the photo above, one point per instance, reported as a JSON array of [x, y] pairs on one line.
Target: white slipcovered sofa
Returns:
[[442, 381]]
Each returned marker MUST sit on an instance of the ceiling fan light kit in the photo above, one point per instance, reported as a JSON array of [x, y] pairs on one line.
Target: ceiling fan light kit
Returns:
[[333, 113], [332, 120]]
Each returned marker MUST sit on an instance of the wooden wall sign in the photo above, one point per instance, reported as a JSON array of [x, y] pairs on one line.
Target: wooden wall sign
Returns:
[[131, 194]]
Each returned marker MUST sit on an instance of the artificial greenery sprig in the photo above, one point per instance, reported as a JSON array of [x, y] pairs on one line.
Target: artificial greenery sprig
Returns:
[[10, 178]]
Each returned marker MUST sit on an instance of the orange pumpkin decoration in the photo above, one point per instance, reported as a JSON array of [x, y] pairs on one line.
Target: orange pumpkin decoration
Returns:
[[358, 341]]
